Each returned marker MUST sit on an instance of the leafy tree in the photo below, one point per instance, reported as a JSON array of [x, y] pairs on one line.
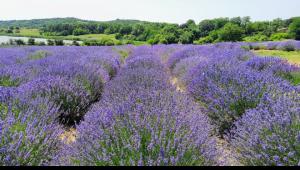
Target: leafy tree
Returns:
[[9, 31], [59, 42], [19, 42], [138, 30], [169, 39], [101, 28], [50, 42], [31, 41], [245, 21], [230, 32], [118, 36], [170, 34], [220, 22], [80, 31], [125, 30], [186, 38], [279, 36], [189, 24], [294, 29], [236, 20], [205, 27]]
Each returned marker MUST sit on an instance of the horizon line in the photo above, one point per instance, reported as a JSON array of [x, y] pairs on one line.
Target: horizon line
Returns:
[[93, 20]]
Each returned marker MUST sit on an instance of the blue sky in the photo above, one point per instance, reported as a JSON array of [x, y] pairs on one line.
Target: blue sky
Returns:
[[175, 11]]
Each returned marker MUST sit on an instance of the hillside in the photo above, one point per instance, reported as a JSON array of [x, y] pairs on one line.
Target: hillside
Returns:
[[38, 23]]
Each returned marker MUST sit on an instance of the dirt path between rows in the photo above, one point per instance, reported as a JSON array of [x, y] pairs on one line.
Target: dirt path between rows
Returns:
[[226, 158], [68, 136]]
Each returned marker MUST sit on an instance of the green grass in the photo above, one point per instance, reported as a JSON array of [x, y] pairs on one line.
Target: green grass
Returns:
[[29, 32], [6, 81], [292, 56], [25, 32], [90, 37], [39, 55], [123, 53], [295, 78]]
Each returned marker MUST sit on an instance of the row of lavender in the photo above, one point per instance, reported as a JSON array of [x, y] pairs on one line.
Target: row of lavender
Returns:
[[290, 45], [142, 120], [43, 89], [249, 100]]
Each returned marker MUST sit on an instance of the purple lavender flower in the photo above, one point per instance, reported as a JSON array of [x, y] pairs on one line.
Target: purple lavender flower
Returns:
[[28, 132], [139, 111], [270, 130]]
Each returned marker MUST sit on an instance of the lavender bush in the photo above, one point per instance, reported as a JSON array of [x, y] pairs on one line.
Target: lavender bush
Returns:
[[269, 134], [227, 88], [28, 132], [70, 99], [274, 65], [145, 124], [126, 111]]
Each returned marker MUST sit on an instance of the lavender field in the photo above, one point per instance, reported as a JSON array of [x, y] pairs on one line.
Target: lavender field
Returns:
[[161, 105]]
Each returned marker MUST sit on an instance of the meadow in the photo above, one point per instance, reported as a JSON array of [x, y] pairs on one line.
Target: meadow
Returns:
[[88, 39], [162, 105]]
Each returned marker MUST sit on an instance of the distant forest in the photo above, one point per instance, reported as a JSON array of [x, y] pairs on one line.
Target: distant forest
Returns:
[[207, 31]]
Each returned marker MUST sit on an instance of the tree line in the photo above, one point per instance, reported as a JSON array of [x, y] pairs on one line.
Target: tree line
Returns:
[[207, 31]]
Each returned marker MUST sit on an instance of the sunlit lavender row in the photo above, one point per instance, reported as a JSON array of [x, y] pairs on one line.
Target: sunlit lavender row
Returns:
[[163, 105]]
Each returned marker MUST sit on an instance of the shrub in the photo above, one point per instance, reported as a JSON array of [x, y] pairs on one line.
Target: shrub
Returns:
[[59, 42], [139, 122], [288, 47], [256, 38], [144, 61], [80, 31], [227, 89], [273, 65], [183, 66], [269, 135], [187, 52], [50, 42], [294, 29], [279, 36], [150, 131], [31, 41], [230, 32], [28, 132], [70, 100]]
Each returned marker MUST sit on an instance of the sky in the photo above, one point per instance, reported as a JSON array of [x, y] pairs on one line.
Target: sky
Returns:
[[174, 11]]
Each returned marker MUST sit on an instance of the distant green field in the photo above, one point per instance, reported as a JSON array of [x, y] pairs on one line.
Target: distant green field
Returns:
[[24, 32], [91, 37], [29, 33], [293, 56]]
